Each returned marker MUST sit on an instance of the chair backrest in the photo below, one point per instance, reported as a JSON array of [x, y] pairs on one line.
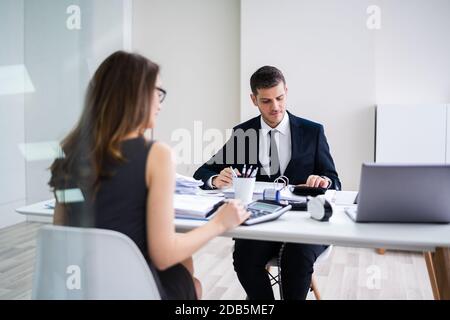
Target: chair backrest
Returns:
[[80, 263]]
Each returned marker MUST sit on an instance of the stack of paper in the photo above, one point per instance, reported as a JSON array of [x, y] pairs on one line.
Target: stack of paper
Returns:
[[194, 207], [187, 185]]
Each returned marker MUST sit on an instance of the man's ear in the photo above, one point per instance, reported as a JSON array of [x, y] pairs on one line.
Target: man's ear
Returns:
[[254, 100]]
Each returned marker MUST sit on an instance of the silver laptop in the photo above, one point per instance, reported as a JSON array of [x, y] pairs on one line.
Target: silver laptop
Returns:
[[403, 193]]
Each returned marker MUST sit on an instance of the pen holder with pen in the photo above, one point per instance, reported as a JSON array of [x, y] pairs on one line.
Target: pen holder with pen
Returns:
[[243, 189]]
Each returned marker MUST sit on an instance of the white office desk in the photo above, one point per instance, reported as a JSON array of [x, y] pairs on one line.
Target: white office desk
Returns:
[[37, 209], [342, 231], [432, 239]]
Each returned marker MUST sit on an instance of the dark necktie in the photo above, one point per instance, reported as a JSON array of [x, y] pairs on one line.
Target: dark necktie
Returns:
[[274, 160]]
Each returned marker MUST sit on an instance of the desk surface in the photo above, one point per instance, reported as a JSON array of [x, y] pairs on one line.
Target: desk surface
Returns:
[[340, 230], [37, 209]]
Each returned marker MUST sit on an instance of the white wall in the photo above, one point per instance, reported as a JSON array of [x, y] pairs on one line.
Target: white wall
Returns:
[[337, 69], [327, 56], [412, 52], [196, 43]]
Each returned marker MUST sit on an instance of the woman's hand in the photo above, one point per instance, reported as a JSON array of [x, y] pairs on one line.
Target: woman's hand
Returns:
[[230, 215]]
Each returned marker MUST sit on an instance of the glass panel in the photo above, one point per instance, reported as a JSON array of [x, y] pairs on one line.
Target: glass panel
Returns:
[[15, 83], [50, 50], [65, 41]]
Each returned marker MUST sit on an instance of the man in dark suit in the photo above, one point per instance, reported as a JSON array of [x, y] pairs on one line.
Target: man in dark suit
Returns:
[[277, 143]]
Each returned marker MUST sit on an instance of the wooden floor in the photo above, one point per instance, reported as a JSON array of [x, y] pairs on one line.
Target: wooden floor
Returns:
[[349, 273]]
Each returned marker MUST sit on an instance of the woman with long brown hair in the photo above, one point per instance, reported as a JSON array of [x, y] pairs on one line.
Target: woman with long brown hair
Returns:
[[127, 182]]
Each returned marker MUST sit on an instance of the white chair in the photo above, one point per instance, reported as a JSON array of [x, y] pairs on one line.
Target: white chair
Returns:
[[275, 263], [80, 263]]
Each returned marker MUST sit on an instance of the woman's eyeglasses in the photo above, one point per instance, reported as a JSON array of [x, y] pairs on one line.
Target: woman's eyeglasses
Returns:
[[161, 94]]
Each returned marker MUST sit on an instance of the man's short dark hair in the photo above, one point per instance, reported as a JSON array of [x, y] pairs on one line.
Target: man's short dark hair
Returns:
[[266, 77]]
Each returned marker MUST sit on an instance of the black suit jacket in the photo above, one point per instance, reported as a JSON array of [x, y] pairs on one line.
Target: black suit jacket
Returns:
[[310, 153]]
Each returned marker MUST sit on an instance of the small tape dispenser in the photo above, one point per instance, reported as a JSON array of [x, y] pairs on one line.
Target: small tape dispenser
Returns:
[[274, 194], [319, 208]]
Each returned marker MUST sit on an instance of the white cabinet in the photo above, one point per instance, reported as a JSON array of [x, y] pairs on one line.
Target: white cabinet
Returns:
[[447, 158], [412, 133]]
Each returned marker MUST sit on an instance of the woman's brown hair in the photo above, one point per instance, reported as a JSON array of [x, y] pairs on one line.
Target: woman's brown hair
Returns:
[[117, 103]]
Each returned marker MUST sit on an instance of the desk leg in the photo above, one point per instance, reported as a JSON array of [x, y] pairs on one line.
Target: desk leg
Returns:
[[438, 264], [432, 274], [442, 269]]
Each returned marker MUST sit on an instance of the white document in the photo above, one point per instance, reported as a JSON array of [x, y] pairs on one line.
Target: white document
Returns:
[[187, 181], [194, 206], [286, 194], [187, 185], [259, 187]]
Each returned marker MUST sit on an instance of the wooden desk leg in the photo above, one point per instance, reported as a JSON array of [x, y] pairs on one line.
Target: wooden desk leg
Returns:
[[442, 270], [438, 264], [431, 274]]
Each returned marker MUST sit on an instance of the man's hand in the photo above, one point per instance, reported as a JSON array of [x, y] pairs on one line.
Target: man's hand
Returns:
[[317, 181], [225, 178]]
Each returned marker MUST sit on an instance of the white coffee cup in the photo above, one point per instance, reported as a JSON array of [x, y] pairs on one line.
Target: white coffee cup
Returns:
[[243, 189]]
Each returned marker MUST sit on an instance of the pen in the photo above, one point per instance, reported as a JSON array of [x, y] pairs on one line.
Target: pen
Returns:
[[254, 173], [249, 171], [243, 172], [232, 172]]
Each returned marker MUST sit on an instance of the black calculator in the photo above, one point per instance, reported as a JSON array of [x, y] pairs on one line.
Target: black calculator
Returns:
[[265, 210]]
